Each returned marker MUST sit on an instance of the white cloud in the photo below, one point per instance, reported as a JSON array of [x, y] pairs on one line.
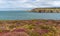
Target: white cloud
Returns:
[[28, 3], [55, 3]]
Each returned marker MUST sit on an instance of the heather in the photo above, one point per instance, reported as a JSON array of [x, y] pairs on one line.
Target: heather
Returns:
[[30, 28]]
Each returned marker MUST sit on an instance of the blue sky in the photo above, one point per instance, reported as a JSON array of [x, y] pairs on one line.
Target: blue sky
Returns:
[[20, 4]]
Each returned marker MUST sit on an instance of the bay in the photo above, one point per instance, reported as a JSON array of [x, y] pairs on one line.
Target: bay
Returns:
[[23, 15]]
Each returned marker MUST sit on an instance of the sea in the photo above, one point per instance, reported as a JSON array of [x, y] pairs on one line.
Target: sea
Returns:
[[23, 15]]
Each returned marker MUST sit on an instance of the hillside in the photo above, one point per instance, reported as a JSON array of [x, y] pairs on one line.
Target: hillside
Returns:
[[30, 28]]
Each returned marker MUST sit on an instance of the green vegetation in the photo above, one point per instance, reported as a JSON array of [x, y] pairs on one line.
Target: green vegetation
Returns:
[[34, 27]]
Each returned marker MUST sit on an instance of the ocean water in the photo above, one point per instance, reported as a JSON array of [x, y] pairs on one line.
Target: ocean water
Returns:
[[21, 15]]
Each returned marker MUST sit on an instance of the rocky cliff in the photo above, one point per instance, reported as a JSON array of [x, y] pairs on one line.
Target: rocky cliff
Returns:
[[46, 10]]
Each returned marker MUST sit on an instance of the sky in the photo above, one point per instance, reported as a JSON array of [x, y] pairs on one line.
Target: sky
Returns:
[[22, 4]]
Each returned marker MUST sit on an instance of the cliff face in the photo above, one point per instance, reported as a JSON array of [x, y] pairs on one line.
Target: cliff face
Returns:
[[46, 10]]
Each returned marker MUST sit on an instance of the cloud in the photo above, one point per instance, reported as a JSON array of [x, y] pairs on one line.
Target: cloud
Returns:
[[54, 3], [28, 3]]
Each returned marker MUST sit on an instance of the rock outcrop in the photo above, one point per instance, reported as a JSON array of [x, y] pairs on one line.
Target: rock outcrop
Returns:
[[46, 10]]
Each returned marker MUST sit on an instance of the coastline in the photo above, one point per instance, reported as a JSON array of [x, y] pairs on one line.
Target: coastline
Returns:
[[46, 10]]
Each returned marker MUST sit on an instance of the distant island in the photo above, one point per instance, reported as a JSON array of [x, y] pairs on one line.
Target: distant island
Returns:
[[46, 10]]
